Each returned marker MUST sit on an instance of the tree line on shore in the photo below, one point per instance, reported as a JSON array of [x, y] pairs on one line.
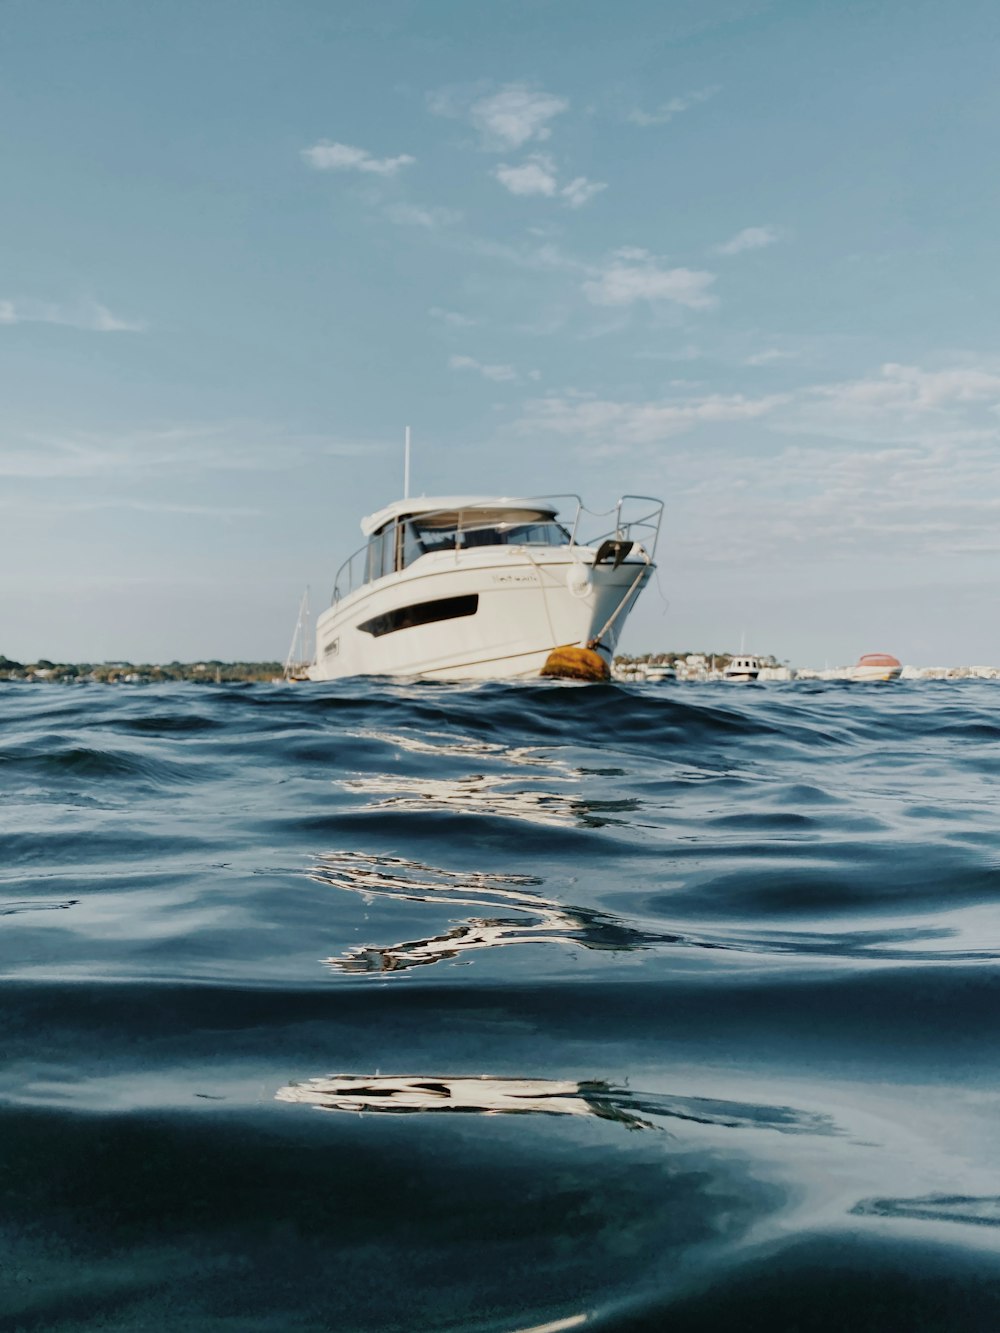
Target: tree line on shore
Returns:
[[217, 672], [719, 660], [144, 673]]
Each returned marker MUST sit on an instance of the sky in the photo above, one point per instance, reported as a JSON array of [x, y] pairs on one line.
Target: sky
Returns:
[[740, 254]]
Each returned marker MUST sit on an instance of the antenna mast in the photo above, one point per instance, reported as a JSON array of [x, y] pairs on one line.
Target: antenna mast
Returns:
[[406, 464]]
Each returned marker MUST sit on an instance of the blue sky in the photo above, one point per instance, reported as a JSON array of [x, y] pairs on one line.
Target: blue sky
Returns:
[[736, 253]]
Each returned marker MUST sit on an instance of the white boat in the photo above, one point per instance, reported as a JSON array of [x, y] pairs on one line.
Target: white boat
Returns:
[[657, 671], [480, 587], [875, 666], [742, 667]]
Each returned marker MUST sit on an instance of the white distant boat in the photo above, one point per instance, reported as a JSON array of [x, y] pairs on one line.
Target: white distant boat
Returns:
[[480, 588], [875, 666], [657, 671], [742, 667]]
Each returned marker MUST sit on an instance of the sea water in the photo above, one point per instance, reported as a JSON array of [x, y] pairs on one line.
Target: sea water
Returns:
[[380, 1006]]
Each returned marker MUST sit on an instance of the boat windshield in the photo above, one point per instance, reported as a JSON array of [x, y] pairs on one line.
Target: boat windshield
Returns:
[[486, 529]]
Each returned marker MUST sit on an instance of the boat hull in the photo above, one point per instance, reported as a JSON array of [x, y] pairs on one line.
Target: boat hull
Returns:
[[873, 673], [496, 615]]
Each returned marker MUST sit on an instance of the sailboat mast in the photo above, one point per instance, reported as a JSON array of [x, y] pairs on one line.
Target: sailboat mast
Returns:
[[297, 649]]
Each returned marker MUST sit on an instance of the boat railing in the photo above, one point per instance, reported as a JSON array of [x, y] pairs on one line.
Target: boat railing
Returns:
[[633, 521], [351, 574], [643, 526]]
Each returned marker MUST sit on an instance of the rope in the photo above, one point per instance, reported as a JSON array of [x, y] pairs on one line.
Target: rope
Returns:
[[545, 595], [621, 605]]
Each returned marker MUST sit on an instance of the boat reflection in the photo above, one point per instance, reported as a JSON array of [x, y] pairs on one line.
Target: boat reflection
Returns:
[[491, 1095], [475, 793], [36, 905], [440, 743], [510, 911], [973, 1210]]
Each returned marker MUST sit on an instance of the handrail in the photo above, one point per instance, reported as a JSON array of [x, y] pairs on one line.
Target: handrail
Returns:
[[647, 523], [643, 527]]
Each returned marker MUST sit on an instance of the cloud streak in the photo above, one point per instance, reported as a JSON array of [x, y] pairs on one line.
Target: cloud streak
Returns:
[[675, 107], [881, 466], [624, 424], [900, 405], [497, 373], [413, 215], [88, 315], [327, 156], [750, 238], [179, 449], [634, 275], [454, 318]]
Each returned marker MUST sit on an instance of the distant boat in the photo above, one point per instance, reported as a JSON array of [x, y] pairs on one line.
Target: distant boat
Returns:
[[875, 666], [657, 671], [742, 668]]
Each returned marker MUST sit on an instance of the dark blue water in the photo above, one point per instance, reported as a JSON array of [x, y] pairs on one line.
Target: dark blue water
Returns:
[[399, 1007]]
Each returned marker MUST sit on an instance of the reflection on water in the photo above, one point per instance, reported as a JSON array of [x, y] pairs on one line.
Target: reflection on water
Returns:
[[488, 1094], [440, 744], [556, 1325], [475, 794], [980, 1212], [485, 793], [516, 913], [896, 943], [36, 905]]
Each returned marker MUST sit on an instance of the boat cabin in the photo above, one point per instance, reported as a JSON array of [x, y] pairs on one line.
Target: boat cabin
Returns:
[[405, 531]]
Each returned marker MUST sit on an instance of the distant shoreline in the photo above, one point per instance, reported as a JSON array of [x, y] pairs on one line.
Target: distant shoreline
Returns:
[[131, 673], [635, 669]]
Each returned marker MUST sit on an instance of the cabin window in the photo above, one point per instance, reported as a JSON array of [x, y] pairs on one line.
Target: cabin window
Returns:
[[381, 553], [421, 613]]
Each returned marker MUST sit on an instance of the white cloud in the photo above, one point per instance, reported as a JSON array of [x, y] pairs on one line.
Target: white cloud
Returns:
[[581, 190], [750, 238], [326, 156], [901, 407], [103, 321], [89, 315], [898, 465], [936, 500], [624, 423], [119, 502], [538, 257], [624, 282], [514, 116], [181, 450], [535, 176], [667, 110], [412, 215], [452, 317], [490, 372], [768, 355], [901, 404]]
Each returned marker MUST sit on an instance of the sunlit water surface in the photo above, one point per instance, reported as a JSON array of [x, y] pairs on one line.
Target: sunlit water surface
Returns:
[[402, 1007]]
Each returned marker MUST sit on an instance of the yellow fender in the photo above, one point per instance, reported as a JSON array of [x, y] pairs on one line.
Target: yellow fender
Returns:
[[571, 662]]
